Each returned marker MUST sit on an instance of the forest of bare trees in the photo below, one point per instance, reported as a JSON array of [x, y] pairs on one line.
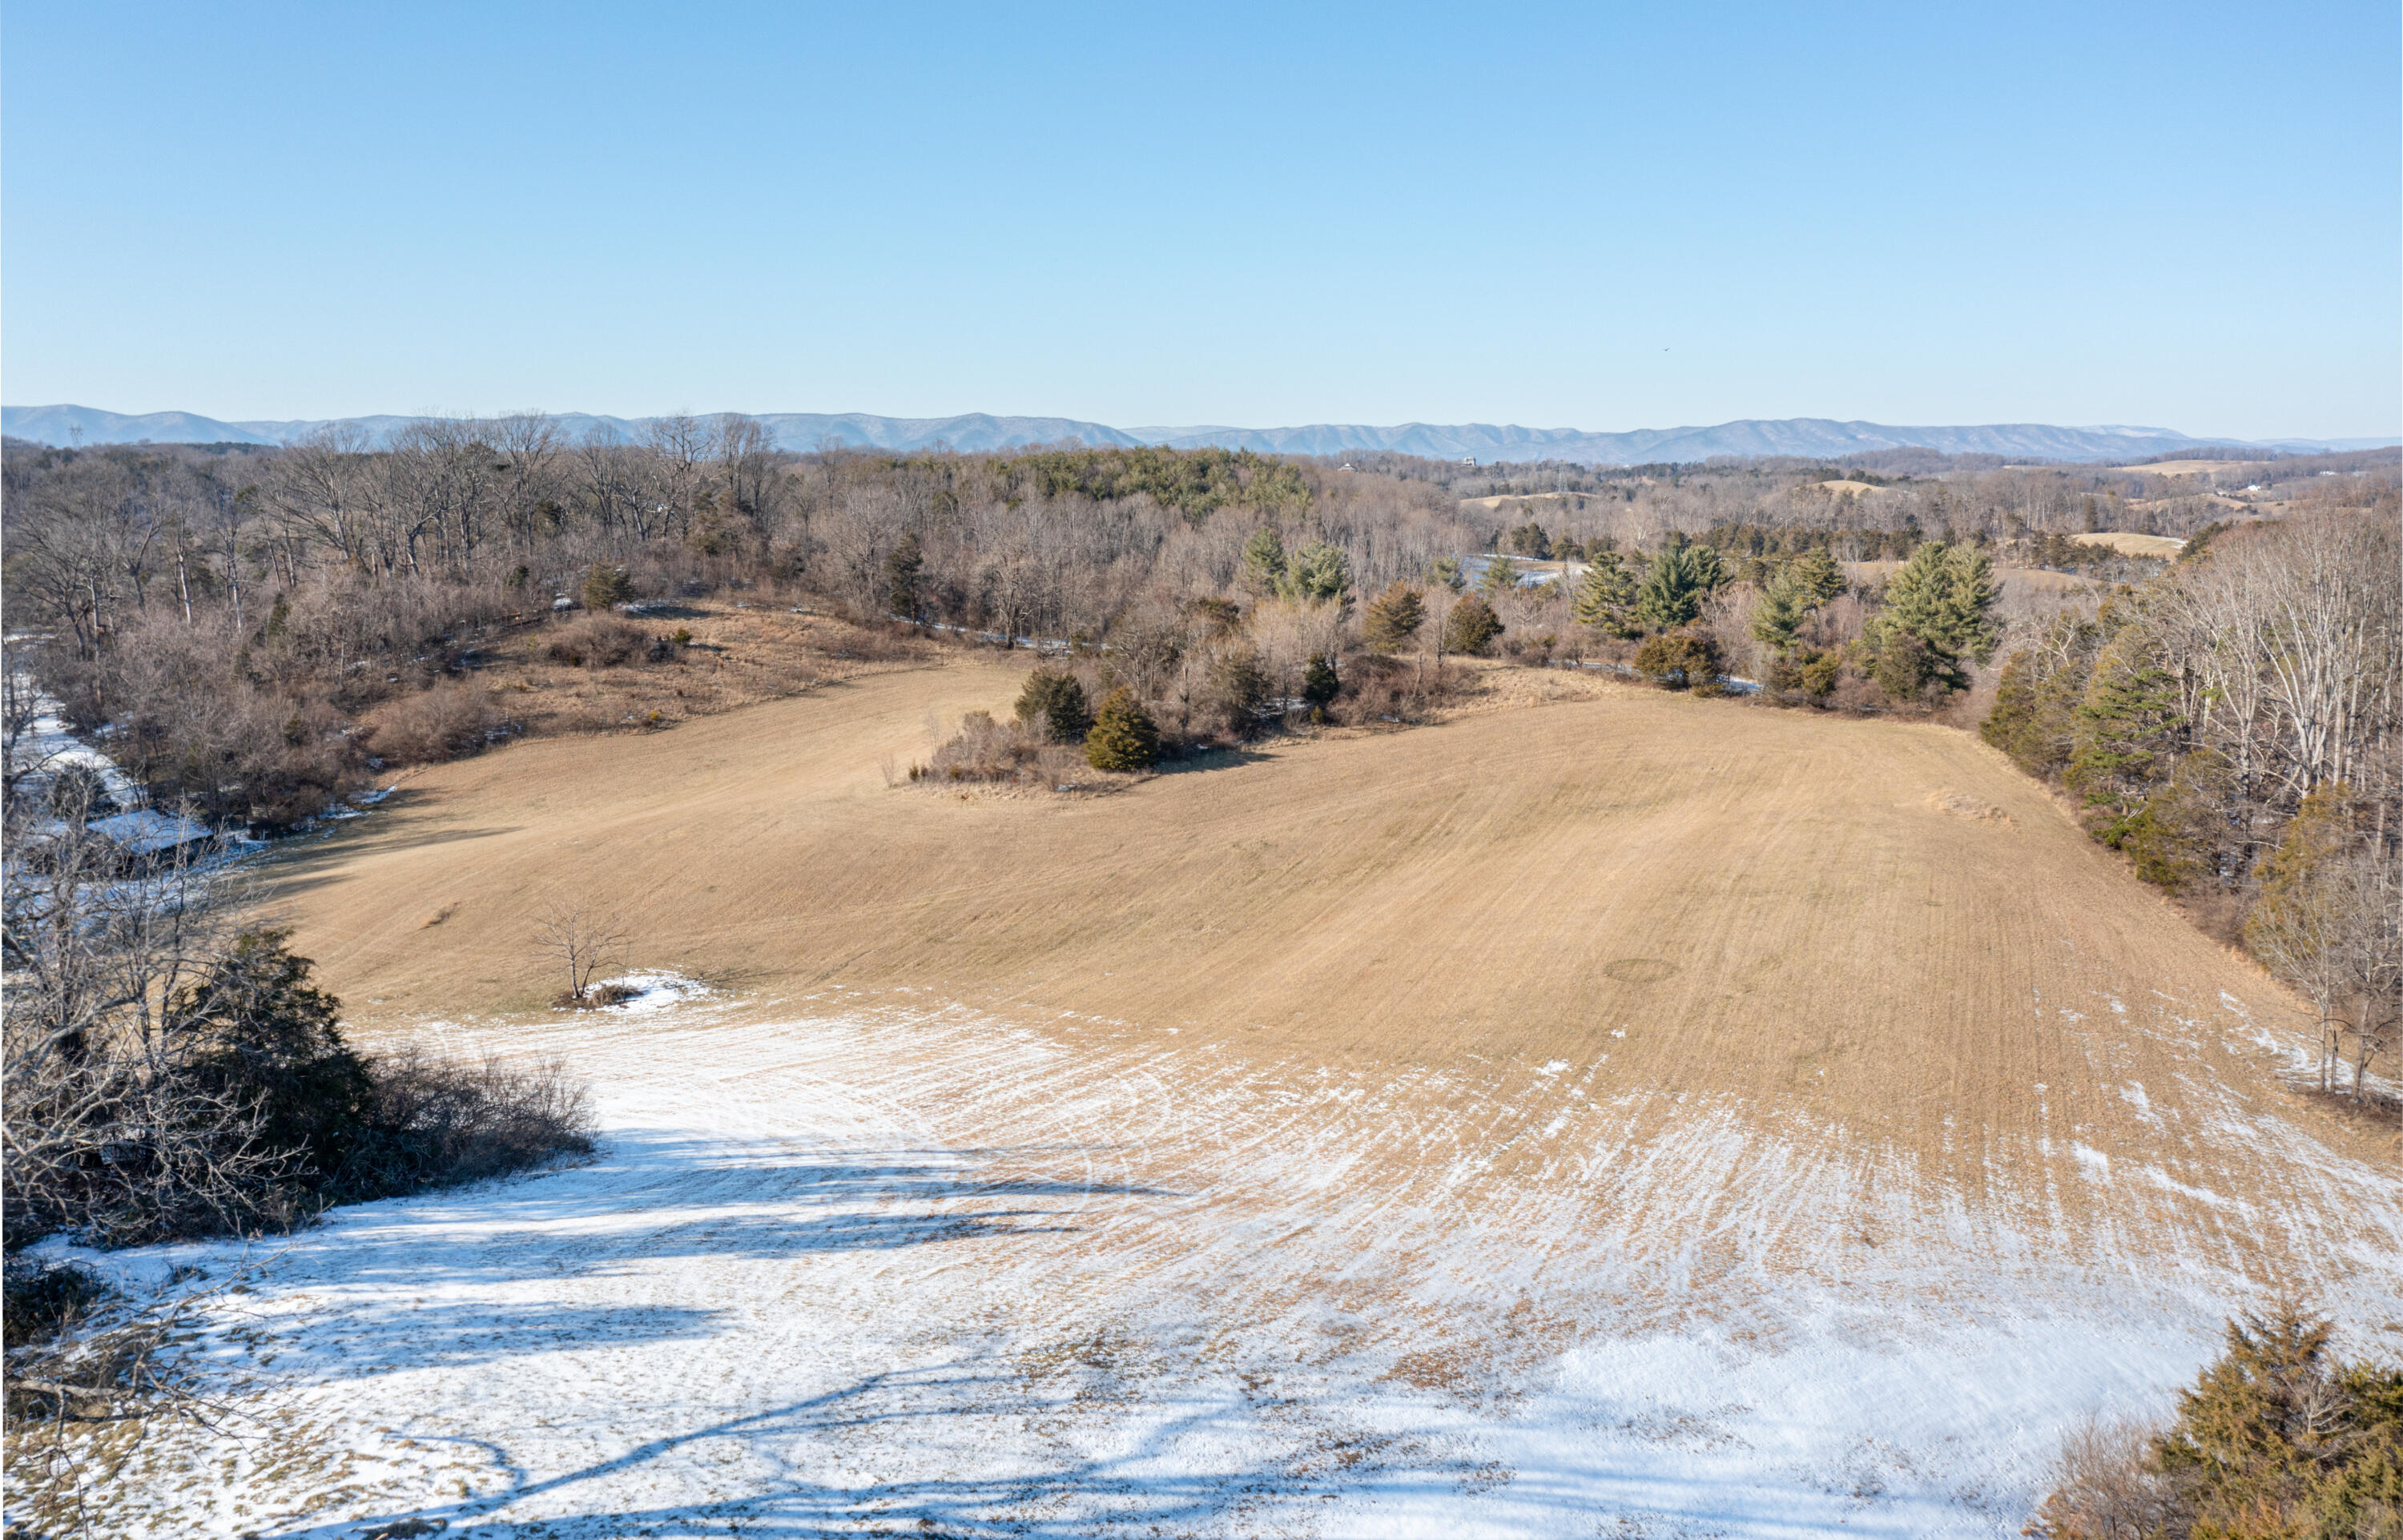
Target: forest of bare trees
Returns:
[[226, 616], [2235, 727]]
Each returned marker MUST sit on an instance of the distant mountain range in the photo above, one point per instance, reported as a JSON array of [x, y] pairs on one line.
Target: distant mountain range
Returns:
[[1814, 437]]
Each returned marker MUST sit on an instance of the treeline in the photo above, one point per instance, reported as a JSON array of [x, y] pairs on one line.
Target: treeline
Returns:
[[224, 623], [2236, 727], [227, 623]]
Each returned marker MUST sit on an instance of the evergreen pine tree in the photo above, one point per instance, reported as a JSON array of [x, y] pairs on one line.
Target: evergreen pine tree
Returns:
[[1471, 625], [1604, 595], [901, 573], [605, 587], [1393, 618], [1778, 615], [1673, 587], [1319, 573], [273, 1042], [2035, 720], [1054, 696], [1920, 607], [1319, 683], [1817, 578], [1123, 737], [1969, 595], [1264, 561], [2129, 732]]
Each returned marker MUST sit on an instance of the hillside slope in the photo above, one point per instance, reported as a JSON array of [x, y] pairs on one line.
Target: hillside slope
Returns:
[[1631, 1114], [1875, 925]]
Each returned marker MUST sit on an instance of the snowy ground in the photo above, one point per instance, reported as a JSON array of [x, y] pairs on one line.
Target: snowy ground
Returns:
[[863, 1272]]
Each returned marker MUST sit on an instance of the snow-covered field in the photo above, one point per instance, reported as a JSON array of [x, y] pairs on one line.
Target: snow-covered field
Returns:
[[854, 1272]]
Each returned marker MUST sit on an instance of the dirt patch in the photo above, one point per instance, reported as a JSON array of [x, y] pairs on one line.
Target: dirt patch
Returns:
[[1640, 970]]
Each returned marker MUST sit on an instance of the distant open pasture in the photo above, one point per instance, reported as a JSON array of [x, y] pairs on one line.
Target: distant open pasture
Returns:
[[2130, 544]]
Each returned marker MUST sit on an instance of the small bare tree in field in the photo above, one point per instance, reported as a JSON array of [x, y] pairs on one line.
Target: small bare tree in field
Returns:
[[583, 942]]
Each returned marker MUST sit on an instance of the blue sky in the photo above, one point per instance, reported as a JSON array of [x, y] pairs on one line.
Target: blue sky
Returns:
[[1593, 217]]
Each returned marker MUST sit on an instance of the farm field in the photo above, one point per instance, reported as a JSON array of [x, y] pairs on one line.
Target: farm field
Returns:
[[2130, 544], [1620, 1115], [2037, 580]]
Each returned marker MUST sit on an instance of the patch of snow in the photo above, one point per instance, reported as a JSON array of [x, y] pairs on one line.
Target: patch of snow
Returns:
[[2167, 1183], [148, 831], [656, 992], [2093, 1163], [927, 1274]]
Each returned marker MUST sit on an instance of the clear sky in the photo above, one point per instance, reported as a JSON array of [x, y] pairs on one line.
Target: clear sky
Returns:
[[1584, 215]]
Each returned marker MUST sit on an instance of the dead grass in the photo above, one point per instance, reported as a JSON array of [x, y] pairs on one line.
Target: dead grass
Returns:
[[2128, 542], [2195, 468], [2030, 580], [608, 673], [1845, 918]]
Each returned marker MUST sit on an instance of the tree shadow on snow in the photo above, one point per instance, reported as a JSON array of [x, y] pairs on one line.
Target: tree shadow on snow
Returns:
[[1147, 1485]]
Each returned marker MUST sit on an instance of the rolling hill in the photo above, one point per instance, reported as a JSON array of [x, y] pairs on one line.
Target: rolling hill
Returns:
[[1609, 1107]]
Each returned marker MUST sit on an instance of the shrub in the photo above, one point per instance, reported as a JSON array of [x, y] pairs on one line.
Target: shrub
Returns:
[[1237, 692], [1528, 539], [37, 1301], [606, 586], [447, 722], [1534, 650], [1124, 737], [596, 642], [79, 792], [1681, 660], [1379, 689], [271, 1041], [237, 1108], [1053, 703], [1905, 668], [1471, 627], [1215, 615], [594, 997], [436, 1123], [1393, 618], [1319, 682]]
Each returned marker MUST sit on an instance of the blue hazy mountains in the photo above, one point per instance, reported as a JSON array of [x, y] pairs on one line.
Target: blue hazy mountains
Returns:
[[1815, 437]]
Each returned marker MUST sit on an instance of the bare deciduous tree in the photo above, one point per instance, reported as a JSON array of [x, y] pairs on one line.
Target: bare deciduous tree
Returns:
[[580, 940]]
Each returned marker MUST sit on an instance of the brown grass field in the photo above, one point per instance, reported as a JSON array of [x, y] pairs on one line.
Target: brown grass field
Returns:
[[2036, 579], [1878, 928], [2130, 544], [2197, 467], [1602, 1103]]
